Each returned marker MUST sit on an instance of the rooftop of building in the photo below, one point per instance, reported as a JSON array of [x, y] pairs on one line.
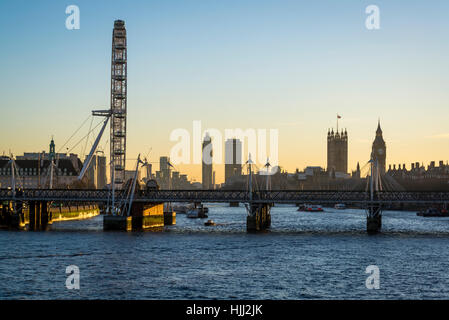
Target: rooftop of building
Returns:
[[64, 165]]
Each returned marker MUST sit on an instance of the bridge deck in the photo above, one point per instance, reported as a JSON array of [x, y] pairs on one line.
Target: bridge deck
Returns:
[[273, 196]]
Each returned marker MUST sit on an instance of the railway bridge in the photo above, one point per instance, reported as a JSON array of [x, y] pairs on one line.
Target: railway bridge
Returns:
[[262, 196], [263, 199]]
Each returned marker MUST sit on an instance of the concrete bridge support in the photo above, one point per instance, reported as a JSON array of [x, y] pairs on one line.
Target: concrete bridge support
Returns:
[[259, 218], [4, 213], [143, 216], [18, 216], [374, 219], [169, 218], [34, 215], [13, 215], [40, 216], [5, 217]]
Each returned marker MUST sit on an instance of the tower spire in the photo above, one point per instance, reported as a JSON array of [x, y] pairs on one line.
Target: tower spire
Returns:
[[52, 153], [379, 130]]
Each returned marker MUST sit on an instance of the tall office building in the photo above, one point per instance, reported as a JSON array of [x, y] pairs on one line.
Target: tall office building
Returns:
[[233, 158], [337, 151], [379, 150], [96, 172], [101, 172], [165, 172], [207, 162]]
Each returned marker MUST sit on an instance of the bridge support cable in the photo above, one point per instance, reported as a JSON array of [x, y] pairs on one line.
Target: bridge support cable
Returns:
[[83, 138], [76, 131], [83, 152]]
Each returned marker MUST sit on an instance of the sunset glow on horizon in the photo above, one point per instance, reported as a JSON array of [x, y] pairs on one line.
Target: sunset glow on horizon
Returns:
[[285, 65]]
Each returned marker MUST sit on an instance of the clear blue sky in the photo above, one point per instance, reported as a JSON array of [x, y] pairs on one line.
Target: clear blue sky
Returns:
[[290, 65]]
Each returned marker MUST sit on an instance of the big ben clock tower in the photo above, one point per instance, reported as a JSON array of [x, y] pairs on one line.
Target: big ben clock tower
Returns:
[[379, 151]]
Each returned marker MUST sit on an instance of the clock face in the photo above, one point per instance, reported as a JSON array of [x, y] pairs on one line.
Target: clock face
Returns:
[[380, 151]]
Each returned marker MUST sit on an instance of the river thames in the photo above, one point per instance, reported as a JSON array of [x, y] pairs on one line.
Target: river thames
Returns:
[[303, 256]]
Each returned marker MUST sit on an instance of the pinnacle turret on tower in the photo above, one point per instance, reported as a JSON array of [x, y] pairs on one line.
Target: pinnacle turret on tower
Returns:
[[356, 173], [52, 153]]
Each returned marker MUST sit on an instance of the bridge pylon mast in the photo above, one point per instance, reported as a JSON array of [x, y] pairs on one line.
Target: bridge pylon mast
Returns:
[[268, 180], [259, 216], [374, 212]]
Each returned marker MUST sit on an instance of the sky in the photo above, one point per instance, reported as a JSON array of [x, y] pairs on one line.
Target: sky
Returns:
[[266, 64]]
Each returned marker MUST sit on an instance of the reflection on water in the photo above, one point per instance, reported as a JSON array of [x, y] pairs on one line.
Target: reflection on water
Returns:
[[303, 256]]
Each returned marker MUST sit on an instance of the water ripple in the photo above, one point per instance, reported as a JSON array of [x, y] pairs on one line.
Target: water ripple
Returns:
[[302, 256]]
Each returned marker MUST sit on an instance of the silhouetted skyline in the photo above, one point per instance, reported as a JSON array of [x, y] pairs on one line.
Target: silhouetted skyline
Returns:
[[269, 64]]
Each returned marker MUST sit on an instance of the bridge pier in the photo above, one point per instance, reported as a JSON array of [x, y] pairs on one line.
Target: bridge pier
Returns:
[[374, 219], [143, 216], [13, 215], [40, 216], [4, 213], [117, 223], [46, 216], [169, 218], [33, 214], [5, 219], [17, 216], [259, 217]]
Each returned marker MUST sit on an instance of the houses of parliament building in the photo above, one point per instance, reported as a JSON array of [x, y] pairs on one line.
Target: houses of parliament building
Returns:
[[337, 151]]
